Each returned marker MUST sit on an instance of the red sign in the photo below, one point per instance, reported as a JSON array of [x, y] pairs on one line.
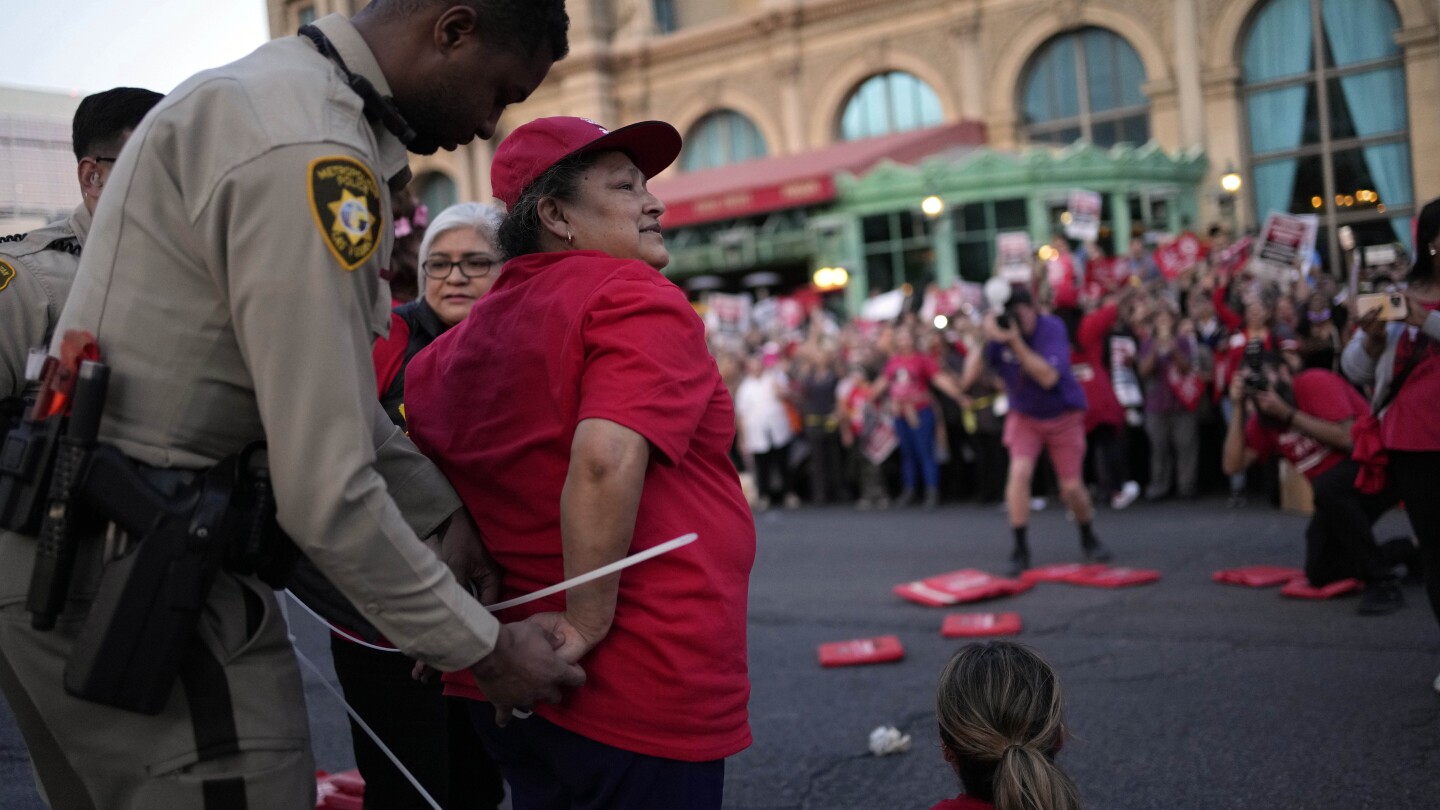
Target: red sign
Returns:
[[980, 625], [878, 650], [1179, 254]]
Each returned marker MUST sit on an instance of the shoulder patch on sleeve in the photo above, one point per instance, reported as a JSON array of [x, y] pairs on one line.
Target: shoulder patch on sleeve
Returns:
[[345, 201], [7, 272]]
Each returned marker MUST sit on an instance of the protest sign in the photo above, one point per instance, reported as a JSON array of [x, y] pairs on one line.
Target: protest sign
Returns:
[[1084, 215], [1286, 241], [1013, 250]]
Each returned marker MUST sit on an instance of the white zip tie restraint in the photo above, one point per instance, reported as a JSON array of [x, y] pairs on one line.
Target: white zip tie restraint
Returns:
[[602, 571], [606, 570], [354, 715]]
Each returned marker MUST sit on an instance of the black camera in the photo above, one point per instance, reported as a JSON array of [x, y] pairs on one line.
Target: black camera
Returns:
[[1002, 320], [1255, 379]]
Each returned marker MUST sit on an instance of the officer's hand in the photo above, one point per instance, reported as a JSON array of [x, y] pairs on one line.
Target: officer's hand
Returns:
[[461, 548], [524, 669]]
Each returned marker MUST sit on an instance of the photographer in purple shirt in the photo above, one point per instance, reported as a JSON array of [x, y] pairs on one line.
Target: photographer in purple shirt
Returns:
[[1031, 353]]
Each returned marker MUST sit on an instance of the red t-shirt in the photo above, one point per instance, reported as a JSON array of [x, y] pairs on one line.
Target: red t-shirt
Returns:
[[1091, 371], [495, 401], [1409, 423], [1323, 395], [963, 802], [909, 376]]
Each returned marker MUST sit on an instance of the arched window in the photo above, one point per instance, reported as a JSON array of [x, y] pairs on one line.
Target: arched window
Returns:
[[1086, 84], [436, 191], [889, 102], [1325, 106], [720, 138]]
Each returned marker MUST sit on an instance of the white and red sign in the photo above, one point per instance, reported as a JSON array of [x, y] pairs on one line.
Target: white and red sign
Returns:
[[727, 314], [876, 650], [1083, 222], [1286, 242], [980, 625], [1013, 253], [1179, 254]]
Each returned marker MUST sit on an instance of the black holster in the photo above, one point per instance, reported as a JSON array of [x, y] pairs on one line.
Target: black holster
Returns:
[[145, 613]]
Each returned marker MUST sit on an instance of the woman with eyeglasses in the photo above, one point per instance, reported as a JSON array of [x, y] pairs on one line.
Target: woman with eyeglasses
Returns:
[[458, 263], [429, 732]]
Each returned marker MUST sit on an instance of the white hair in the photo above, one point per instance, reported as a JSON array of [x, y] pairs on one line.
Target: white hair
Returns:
[[481, 218]]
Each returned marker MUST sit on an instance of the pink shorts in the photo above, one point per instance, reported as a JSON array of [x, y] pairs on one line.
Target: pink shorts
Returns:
[[1063, 436]]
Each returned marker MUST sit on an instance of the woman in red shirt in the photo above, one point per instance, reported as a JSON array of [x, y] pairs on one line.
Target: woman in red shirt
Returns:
[[581, 418], [999, 709], [1401, 360], [907, 379]]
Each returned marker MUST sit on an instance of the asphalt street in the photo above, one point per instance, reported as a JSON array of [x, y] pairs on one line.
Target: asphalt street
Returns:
[[1180, 694]]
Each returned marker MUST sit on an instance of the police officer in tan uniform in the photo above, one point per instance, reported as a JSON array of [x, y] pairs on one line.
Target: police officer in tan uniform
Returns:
[[36, 269], [233, 282]]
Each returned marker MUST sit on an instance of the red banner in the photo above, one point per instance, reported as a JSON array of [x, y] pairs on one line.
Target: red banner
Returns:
[[1179, 254]]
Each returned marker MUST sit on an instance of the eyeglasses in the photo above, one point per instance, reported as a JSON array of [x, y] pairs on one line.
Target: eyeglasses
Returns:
[[103, 159], [470, 267]]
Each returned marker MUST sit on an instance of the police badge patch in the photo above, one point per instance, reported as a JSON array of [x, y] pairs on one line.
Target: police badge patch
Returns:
[[345, 200], [7, 272]]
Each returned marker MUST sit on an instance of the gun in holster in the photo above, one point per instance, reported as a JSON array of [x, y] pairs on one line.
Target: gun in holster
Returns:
[[146, 610], [144, 617]]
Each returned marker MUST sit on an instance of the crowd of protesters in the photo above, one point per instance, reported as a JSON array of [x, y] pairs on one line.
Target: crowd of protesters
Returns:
[[835, 410]]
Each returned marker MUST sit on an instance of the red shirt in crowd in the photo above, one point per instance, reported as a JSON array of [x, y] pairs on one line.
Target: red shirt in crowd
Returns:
[[910, 376], [1323, 395], [1088, 363], [495, 402], [1410, 422]]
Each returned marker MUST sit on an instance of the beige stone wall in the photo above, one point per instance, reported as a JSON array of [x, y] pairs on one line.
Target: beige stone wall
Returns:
[[789, 65]]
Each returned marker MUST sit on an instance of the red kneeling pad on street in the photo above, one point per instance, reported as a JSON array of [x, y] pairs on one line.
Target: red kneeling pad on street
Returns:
[[1115, 578], [966, 585], [339, 791], [980, 625], [1258, 576], [1302, 589], [1061, 572], [861, 651]]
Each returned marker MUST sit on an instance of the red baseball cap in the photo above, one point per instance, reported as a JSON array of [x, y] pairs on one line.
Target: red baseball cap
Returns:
[[532, 149]]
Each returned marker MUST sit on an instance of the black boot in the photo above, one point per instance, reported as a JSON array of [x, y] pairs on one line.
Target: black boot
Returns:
[[1019, 563]]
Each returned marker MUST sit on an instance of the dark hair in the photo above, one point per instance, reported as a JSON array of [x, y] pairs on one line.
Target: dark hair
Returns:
[[102, 120], [1427, 226], [523, 24], [520, 232], [999, 709]]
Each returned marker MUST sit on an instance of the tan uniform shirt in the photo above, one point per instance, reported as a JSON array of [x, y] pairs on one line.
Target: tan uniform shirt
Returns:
[[36, 272], [232, 280]]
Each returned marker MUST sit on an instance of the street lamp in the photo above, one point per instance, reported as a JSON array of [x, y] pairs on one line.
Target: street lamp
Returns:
[[828, 279], [1230, 183], [932, 206], [1231, 180]]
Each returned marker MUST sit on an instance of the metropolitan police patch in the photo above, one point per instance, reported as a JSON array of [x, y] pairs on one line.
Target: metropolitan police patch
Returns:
[[7, 272], [345, 200]]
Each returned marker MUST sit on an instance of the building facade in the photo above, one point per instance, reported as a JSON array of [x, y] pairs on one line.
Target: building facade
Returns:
[[1315, 104]]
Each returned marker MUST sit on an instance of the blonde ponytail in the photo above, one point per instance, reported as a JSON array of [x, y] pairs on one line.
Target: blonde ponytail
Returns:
[[1027, 779], [999, 709]]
